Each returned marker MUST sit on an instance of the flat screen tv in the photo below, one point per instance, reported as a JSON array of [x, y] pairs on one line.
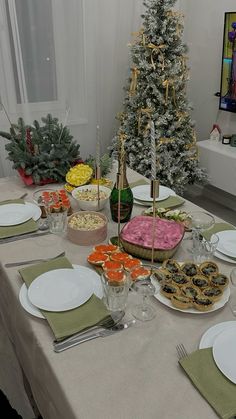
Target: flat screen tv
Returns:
[[228, 67]]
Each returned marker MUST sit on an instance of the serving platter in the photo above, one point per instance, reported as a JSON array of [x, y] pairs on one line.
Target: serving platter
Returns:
[[166, 301]]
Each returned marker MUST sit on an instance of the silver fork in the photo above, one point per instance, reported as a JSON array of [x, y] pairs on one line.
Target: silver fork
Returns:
[[181, 351], [28, 262], [62, 346], [114, 318]]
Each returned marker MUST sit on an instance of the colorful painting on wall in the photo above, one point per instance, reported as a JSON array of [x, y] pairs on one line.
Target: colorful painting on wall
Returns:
[[228, 71]]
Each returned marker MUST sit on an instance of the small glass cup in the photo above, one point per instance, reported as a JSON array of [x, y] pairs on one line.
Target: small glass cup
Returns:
[[116, 288], [144, 287], [38, 198], [232, 301], [57, 221], [210, 246]]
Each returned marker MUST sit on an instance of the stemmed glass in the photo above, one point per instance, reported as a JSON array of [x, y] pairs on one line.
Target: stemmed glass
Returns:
[[40, 200], [144, 287], [200, 221]]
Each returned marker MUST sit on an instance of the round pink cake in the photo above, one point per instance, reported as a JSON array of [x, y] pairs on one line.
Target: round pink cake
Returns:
[[138, 231]]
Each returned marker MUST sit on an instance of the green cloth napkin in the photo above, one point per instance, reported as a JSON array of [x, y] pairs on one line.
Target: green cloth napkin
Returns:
[[216, 229], [170, 202], [10, 231], [211, 383], [67, 323]]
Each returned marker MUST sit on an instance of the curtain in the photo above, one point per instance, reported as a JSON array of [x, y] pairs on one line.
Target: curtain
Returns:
[[69, 59]]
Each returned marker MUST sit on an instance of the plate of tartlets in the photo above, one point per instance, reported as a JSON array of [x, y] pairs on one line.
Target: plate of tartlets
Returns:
[[191, 288]]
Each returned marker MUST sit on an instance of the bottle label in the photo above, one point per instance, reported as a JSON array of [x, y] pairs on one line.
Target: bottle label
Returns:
[[125, 211]]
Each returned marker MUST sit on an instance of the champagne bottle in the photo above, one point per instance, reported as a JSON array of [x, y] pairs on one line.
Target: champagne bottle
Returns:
[[121, 187]]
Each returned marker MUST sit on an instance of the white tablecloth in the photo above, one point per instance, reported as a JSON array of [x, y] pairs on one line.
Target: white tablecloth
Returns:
[[133, 374]]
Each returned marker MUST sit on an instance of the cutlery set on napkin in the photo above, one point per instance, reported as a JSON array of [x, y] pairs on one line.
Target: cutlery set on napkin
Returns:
[[71, 320], [212, 368]]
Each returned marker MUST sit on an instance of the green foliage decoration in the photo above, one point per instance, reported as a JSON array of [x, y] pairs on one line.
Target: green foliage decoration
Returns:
[[105, 163], [45, 151]]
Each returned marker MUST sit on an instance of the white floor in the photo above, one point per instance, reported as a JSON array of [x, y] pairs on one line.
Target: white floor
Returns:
[[10, 375]]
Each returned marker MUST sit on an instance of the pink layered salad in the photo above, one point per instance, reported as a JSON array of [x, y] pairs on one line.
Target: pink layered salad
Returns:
[[138, 231]]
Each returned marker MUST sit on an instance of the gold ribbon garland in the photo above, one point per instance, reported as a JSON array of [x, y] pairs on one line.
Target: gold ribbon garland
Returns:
[[146, 111], [167, 84], [134, 78], [157, 49], [140, 35]]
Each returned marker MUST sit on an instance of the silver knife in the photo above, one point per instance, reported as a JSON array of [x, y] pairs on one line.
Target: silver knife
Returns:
[[59, 347], [23, 236]]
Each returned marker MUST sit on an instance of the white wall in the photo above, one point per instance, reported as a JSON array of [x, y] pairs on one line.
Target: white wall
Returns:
[[204, 21]]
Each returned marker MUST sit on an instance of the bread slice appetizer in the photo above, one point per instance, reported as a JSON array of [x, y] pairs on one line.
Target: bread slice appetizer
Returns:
[[219, 280], [97, 258], [171, 265], [208, 268], [179, 301], [190, 269], [213, 293], [200, 281], [168, 290], [202, 303]]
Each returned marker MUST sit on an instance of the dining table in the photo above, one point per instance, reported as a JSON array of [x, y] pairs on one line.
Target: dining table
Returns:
[[133, 374]]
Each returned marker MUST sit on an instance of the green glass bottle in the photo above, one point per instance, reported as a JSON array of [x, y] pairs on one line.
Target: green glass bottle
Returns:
[[126, 195]]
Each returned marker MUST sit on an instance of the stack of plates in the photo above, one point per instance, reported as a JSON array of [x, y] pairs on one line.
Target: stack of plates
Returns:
[[141, 194], [60, 290], [222, 338], [226, 249], [15, 214]]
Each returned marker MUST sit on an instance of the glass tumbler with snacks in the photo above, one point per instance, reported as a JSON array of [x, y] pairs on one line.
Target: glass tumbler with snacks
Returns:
[[116, 288]]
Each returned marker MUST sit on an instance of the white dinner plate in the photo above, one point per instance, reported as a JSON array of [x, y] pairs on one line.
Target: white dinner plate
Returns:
[[224, 350], [60, 290], [208, 338], [87, 272], [36, 211], [167, 302], [227, 242], [221, 256], [26, 304], [14, 214], [142, 193]]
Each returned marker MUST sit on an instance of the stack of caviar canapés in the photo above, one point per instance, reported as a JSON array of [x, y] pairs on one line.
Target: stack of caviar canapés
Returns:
[[57, 201], [112, 261], [188, 285]]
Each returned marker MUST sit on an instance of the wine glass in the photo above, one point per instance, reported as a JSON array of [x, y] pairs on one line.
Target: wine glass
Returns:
[[42, 198], [144, 287], [200, 221]]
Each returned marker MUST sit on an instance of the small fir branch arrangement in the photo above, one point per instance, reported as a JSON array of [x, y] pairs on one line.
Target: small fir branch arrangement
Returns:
[[42, 152], [105, 163]]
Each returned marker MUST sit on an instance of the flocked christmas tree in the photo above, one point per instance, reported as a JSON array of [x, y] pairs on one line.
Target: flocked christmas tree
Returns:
[[156, 91], [43, 152]]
